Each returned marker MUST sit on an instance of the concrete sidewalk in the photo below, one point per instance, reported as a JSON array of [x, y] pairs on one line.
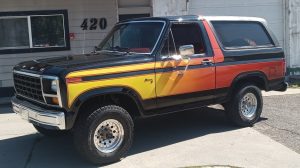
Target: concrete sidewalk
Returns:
[[192, 138], [241, 148]]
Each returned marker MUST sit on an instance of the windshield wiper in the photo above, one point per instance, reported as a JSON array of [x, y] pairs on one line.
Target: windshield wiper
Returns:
[[118, 48], [125, 50]]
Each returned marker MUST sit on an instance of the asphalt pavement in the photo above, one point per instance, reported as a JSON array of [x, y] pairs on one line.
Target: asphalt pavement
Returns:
[[191, 138], [281, 120]]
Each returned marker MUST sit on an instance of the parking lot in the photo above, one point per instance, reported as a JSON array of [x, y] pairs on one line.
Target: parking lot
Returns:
[[191, 138]]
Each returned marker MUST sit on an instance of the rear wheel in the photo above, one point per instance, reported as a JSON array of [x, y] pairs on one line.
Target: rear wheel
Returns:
[[105, 135], [245, 107]]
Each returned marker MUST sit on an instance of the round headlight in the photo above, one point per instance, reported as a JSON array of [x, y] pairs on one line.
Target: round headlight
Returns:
[[54, 86]]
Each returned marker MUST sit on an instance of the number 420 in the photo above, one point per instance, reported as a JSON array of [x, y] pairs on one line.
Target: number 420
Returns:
[[93, 23]]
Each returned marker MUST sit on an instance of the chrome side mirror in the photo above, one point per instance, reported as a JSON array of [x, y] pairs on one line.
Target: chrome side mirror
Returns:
[[186, 50]]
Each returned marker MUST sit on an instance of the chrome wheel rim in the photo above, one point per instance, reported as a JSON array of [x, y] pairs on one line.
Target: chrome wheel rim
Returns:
[[248, 105], [109, 136]]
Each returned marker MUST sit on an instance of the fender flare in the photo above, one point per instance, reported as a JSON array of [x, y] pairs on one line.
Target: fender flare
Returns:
[[104, 91], [79, 101], [246, 75]]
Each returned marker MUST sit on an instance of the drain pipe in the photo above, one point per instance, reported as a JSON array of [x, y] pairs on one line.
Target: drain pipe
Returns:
[[286, 33]]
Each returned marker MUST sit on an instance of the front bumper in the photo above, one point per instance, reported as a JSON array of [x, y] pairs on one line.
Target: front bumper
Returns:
[[51, 119]]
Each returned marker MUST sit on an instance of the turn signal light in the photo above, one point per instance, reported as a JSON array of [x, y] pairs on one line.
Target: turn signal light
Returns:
[[73, 80], [55, 100]]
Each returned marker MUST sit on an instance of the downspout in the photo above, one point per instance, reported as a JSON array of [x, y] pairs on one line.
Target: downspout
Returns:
[[187, 7], [117, 7], [286, 34]]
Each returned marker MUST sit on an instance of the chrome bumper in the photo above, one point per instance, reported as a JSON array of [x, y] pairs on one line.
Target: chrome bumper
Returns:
[[37, 115]]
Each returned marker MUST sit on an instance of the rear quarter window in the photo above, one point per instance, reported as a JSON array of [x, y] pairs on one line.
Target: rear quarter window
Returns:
[[242, 34]]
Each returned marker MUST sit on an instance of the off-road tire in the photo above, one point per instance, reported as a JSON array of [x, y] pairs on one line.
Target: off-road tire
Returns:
[[233, 107], [86, 126]]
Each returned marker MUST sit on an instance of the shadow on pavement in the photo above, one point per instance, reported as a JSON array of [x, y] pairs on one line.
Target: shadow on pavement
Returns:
[[5, 108], [151, 133]]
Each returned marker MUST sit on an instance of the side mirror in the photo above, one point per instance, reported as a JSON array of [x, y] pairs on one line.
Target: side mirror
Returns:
[[186, 50], [95, 50]]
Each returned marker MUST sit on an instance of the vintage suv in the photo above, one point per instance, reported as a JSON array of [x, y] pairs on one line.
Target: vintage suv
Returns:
[[146, 67]]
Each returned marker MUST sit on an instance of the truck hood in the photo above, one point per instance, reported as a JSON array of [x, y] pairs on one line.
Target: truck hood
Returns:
[[80, 62]]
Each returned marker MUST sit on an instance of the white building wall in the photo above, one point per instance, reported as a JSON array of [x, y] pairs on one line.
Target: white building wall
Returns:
[[77, 11], [169, 7], [293, 33], [271, 10]]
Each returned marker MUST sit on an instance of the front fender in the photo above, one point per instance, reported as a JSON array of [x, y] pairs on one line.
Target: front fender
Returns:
[[104, 91], [75, 107]]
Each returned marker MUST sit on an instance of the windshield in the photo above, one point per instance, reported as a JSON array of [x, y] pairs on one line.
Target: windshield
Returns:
[[138, 37]]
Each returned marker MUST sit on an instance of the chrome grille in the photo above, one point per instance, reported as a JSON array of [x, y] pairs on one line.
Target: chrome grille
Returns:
[[28, 86]]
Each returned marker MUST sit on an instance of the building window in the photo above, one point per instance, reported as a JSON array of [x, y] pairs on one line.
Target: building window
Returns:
[[37, 31], [13, 33], [242, 34]]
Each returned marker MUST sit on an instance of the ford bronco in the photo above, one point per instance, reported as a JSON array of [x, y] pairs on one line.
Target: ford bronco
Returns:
[[146, 67]]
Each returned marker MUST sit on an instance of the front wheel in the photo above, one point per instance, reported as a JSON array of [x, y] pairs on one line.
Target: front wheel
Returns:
[[105, 135], [245, 107]]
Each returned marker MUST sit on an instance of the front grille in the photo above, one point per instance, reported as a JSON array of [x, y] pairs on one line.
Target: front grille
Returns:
[[28, 86]]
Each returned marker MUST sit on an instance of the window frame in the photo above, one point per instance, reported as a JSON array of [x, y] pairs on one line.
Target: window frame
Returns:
[[264, 27], [141, 21], [28, 15], [205, 39]]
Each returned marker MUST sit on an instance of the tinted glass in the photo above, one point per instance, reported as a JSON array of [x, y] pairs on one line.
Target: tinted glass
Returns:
[[14, 33], [139, 37], [242, 34], [184, 34], [48, 31], [187, 34]]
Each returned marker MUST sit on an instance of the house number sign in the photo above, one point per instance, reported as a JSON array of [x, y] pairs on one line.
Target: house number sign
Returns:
[[94, 24]]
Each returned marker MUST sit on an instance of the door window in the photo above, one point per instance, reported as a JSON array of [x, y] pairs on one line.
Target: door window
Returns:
[[183, 34]]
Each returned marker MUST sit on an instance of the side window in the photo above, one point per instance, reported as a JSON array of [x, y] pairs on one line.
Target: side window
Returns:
[[242, 34], [184, 34]]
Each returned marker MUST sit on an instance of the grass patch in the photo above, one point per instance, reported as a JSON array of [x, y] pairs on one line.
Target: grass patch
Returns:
[[294, 82], [294, 85]]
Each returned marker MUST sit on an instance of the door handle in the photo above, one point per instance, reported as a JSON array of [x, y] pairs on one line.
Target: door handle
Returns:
[[148, 80], [207, 62]]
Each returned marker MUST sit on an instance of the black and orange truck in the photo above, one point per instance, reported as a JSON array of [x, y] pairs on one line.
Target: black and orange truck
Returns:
[[146, 67]]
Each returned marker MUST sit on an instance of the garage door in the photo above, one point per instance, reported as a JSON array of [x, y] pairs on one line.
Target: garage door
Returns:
[[271, 10]]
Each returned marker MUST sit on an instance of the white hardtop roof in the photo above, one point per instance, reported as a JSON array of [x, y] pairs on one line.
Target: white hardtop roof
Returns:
[[232, 18]]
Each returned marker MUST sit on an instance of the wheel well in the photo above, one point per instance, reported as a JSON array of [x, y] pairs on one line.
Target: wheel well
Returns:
[[123, 100], [256, 80]]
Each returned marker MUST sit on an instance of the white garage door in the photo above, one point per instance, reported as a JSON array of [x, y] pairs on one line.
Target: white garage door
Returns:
[[271, 10]]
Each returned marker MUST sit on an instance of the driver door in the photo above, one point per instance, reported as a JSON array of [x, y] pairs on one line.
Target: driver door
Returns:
[[185, 81]]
